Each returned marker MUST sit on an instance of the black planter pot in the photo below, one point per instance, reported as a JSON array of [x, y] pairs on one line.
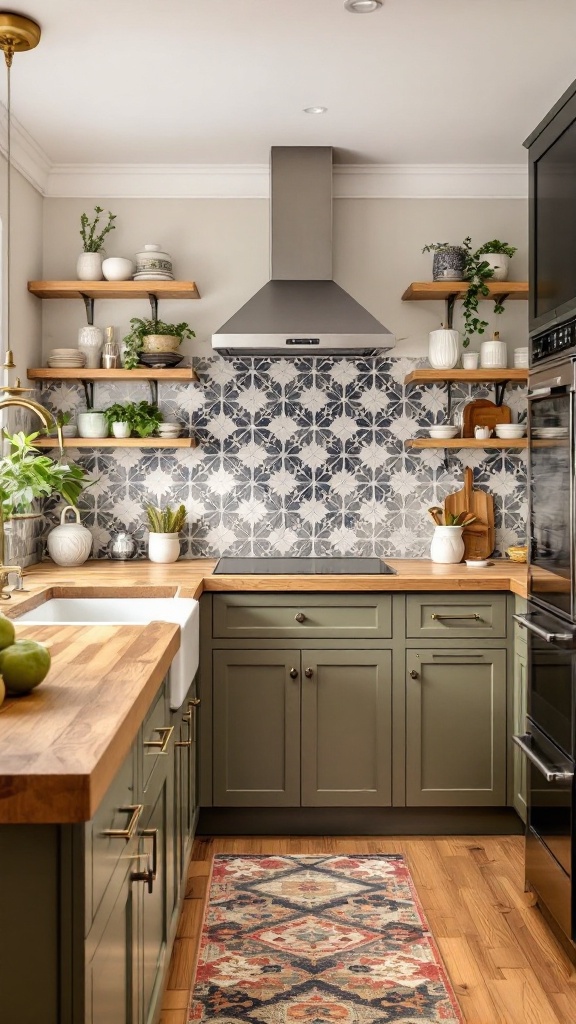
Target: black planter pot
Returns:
[[448, 264]]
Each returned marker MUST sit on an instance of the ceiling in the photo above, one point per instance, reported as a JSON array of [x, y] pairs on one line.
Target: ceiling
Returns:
[[219, 81]]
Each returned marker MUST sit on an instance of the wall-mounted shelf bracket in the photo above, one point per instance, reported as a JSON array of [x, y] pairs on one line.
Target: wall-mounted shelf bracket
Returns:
[[89, 393], [89, 303], [153, 385], [449, 307], [153, 306]]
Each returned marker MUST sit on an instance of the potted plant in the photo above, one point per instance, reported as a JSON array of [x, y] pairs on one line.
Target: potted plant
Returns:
[[447, 545], [164, 526], [152, 336], [27, 476], [497, 255], [141, 417], [89, 265], [449, 261]]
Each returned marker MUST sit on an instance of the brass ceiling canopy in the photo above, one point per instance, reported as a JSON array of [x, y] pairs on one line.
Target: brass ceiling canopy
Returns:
[[17, 34], [14, 390]]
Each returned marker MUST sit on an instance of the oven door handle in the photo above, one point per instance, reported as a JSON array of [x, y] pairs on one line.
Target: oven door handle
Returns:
[[550, 638], [550, 772]]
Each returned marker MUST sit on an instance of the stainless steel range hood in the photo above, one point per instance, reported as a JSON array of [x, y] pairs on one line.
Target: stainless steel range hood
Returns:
[[301, 310]]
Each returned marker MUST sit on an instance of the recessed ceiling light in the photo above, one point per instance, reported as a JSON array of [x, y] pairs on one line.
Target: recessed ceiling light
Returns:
[[315, 110], [363, 6]]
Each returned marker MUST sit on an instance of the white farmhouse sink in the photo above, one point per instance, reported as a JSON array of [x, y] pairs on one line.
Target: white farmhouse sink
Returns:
[[133, 611]]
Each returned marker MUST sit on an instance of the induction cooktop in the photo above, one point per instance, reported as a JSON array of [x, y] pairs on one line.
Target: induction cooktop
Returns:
[[302, 566]]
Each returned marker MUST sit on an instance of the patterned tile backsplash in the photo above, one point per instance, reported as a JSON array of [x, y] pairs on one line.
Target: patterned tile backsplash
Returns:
[[299, 457]]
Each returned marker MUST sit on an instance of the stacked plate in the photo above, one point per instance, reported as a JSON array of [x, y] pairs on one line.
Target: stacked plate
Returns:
[[66, 358], [550, 433], [169, 428], [153, 277]]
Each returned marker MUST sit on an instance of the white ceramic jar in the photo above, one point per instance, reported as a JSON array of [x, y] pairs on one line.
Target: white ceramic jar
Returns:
[[116, 268], [500, 264], [153, 262], [121, 429], [90, 341], [447, 544], [69, 543], [92, 424], [89, 266], [443, 348], [494, 354], [163, 547], [470, 360]]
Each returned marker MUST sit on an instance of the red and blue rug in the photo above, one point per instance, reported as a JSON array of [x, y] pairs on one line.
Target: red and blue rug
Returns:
[[318, 940]]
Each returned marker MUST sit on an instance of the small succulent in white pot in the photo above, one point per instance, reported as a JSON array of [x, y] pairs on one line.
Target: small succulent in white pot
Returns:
[[164, 528]]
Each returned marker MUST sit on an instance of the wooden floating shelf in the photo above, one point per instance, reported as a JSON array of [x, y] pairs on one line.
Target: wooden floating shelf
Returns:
[[114, 289], [118, 442], [140, 373], [465, 442], [422, 291], [429, 376]]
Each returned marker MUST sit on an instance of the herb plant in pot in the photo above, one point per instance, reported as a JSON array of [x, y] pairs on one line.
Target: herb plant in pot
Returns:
[[164, 526], [449, 261], [447, 547], [93, 233], [142, 418], [155, 340], [497, 255]]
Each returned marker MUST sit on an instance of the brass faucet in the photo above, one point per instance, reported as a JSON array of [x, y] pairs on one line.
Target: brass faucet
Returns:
[[48, 420]]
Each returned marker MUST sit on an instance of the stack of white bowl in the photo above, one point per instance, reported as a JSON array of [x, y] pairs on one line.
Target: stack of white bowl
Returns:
[[510, 431], [66, 358], [169, 428]]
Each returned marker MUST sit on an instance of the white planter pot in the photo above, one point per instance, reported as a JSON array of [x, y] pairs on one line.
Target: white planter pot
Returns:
[[443, 349], [470, 360], [89, 266], [92, 424], [121, 429], [163, 547], [69, 543], [500, 265], [493, 355], [161, 342], [447, 544]]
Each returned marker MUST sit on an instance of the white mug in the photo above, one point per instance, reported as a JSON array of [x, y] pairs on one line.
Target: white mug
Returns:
[[482, 433]]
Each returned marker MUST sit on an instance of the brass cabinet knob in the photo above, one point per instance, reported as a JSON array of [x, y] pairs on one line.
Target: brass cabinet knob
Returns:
[[293, 673], [300, 617], [414, 674], [308, 672]]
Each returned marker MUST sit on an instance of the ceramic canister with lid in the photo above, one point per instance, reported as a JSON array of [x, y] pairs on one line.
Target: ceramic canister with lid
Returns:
[[69, 543], [443, 348], [494, 354], [153, 260]]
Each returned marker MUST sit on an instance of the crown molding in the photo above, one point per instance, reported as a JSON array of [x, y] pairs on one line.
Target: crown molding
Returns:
[[27, 156]]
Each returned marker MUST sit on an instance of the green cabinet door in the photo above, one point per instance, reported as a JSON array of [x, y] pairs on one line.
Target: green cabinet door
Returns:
[[456, 728], [346, 728], [256, 728], [156, 907], [519, 703], [111, 973]]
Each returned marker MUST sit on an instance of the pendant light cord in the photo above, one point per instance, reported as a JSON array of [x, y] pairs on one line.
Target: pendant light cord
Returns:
[[8, 57]]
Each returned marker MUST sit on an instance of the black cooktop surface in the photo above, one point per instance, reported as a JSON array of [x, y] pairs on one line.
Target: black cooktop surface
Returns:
[[303, 566]]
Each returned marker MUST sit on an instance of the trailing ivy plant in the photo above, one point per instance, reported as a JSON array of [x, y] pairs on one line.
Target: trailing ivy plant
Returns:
[[140, 328], [165, 520], [92, 233]]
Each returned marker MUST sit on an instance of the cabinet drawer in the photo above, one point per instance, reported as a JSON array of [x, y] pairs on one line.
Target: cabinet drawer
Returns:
[[447, 616], [307, 615], [118, 812], [156, 737]]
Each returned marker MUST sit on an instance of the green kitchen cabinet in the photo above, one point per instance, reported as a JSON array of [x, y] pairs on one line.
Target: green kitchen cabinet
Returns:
[[346, 728], [112, 970], [519, 726], [456, 741], [156, 897], [256, 697], [184, 720]]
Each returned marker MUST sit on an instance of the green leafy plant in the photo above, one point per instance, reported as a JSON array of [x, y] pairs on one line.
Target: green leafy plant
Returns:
[[441, 517], [140, 328], [27, 475], [92, 233], [496, 247], [164, 520], [441, 247], [143, 417], [61, 419]]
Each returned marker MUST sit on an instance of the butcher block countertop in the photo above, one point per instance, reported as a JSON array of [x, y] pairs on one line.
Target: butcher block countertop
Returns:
[[61, 745]]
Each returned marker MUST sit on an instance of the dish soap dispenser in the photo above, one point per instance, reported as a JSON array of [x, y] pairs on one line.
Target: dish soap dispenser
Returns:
[[494, 353]]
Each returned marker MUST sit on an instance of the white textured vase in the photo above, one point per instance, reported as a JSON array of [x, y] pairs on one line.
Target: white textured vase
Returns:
[[90, 341], [500, 264], [163, 547], [494, 354], [89, 266], [69, 543], [447, 544], [443, 349]]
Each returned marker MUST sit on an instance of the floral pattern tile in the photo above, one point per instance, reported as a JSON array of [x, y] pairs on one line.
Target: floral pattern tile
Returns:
[[299, 457]]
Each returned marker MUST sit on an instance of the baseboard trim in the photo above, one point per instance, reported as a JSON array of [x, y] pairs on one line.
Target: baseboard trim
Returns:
[[348, 821]]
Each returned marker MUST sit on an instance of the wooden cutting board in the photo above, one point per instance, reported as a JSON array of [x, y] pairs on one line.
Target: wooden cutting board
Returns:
[[483, 413], [479, 538]]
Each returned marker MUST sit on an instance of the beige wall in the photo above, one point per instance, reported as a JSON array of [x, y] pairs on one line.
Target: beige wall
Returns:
[[26, 264], [223, 245]]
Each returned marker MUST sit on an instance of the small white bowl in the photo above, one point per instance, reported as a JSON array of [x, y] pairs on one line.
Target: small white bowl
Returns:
[[477, 563], [116, 268], [446, 431], [510, 430]]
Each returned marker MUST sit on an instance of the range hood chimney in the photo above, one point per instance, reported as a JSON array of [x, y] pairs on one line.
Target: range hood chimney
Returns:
[[301, 310]]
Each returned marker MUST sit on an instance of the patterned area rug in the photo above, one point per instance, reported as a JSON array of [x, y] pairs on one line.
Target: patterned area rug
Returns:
[[318, 940]]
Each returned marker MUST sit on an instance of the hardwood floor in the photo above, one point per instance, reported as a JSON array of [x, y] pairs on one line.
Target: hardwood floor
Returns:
[[504, 964]]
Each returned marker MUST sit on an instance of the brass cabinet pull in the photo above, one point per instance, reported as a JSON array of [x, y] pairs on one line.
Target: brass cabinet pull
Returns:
[[148, 876], [300, 617], [134, 810], [187, 719], [475, 616], [414, 674], [458, 657], [293, 673], [308, 672], [161, 745], [194, 702]]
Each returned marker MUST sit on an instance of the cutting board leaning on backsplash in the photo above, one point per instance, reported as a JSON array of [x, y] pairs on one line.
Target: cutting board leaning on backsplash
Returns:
[[479, 538]]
